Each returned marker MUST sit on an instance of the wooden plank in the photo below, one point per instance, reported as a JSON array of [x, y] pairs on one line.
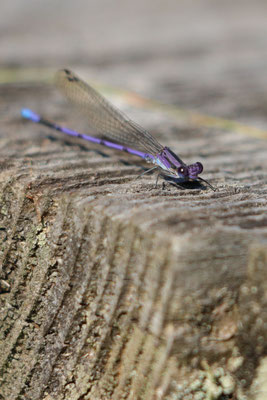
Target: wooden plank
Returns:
[[119, 289]]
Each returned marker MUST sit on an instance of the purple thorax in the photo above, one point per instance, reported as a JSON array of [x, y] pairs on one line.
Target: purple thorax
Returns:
[[170, 162]]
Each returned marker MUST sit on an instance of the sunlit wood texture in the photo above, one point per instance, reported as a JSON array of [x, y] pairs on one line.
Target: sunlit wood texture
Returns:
[[112, 288]]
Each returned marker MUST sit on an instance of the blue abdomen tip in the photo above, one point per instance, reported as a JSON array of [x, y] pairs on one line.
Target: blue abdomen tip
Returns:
[[29, 114]]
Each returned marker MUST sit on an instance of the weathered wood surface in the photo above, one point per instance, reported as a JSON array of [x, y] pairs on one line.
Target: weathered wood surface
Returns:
[[113, 289], [118, 289]]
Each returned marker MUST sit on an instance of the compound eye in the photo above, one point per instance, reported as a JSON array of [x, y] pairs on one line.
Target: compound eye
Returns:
[[183, 171], [200, 167]]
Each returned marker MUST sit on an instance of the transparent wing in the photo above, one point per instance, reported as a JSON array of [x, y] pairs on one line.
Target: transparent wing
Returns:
[[106, 119]]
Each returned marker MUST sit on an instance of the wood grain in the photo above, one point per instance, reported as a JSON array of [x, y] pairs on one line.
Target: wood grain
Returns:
[[119, 289]]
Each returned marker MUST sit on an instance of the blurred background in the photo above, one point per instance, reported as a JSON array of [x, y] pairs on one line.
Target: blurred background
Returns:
[[204, 55]]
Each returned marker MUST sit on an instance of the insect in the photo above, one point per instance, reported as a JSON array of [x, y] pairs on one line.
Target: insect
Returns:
[[122, 133]]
